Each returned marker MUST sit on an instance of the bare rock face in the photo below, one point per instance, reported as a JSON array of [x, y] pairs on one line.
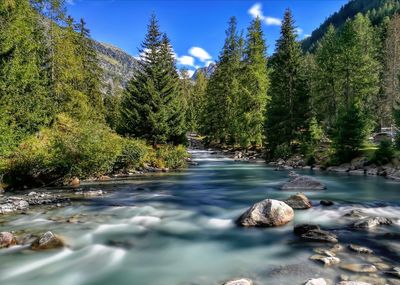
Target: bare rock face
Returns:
[[298, 201], [7, 239], [354, 267], [267, 213], [372, 222], [303, 183], [47, 241], [242, 281]]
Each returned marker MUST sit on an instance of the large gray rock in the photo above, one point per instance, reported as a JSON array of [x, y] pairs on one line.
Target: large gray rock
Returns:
[[267, 213], [299, 201], [241, 281], [372, 222], [7, 239], [303, 183], [319, 236], [47, 241]]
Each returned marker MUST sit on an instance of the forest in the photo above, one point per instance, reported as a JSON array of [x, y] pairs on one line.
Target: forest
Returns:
[[57, 124]]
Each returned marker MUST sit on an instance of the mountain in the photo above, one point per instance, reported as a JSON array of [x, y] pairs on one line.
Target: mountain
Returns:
[[377, 10], [118, 66], [207, 71]]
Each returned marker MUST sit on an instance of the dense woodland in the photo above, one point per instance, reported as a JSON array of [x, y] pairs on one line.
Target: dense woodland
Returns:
[[56, 122]]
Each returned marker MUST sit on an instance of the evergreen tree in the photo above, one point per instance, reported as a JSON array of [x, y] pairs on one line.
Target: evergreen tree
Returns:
[[223, 89], [254, 86], [327, 78], [391, 82], [91, 72], [198, 98], [151, 104], [288, 112], [23, 80]]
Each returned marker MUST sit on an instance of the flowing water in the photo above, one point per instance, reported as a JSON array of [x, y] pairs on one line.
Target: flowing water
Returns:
[[178, 229]]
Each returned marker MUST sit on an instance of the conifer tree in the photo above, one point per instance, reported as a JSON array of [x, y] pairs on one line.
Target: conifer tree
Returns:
[[288, 112], [254, 86], [23, 80], [151, 104], [199, 93], [223, 89]]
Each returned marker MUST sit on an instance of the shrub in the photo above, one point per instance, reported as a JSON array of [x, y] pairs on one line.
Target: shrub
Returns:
[[282, 151], [66, 149], [173, 157], [135, 152], [384, 154]]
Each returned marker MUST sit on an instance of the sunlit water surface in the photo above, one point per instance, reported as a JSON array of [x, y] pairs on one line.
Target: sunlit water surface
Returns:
[[178, 229]]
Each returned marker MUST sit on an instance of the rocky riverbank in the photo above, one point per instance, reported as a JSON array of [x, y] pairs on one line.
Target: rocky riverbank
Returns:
[[358, 166]]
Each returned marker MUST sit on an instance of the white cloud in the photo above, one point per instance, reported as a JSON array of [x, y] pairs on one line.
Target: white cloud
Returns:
[[185, 60], [307, 36], [199, 53], [70, 2], [256, 11], [299, 31]]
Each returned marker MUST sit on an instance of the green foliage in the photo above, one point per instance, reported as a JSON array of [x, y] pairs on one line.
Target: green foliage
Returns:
[[349, 133], [173, 157], [384, 154], [282, 151], [134, 153], [396, 116], [288, 112], [69, 148], [151, 107]]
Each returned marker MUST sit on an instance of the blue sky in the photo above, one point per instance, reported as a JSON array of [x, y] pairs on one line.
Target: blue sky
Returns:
[[196, 27]]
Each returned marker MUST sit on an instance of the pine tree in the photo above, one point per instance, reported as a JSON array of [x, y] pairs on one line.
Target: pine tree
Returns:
[[91, 71], [23, 80], [199, 93], [327, 78], [254, 86], [222, 91], [288, 112], [151, 104], [391, 82]]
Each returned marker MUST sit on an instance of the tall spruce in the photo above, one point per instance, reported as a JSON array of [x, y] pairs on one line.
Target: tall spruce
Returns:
[[23, 78], [254, 86], [358, 71], [223, 89], [151, 104], [288, 112]]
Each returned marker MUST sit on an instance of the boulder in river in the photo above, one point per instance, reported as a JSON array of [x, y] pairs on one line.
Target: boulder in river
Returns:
[[355, 267], [47, 241], [303, 183], [242, 281], [267, 213], [360, 249], [319, 281], [326, 260], [298, 201], [7, 239], [372, 222], [356, 214], [319, 236]]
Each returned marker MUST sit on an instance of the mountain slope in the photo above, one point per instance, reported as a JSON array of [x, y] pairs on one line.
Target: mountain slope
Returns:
[[207, 71], [118, 66], [377, 10]]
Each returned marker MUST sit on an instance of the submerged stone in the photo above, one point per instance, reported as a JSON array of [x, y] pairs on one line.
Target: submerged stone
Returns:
[[372, 222], [354, 267], [242, 281], [47, 241], [319, 281], [319, 236], [303, 183], [326, 260], [360, 249]]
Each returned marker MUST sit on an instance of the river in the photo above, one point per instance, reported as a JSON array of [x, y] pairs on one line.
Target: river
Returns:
[[178, 229]]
